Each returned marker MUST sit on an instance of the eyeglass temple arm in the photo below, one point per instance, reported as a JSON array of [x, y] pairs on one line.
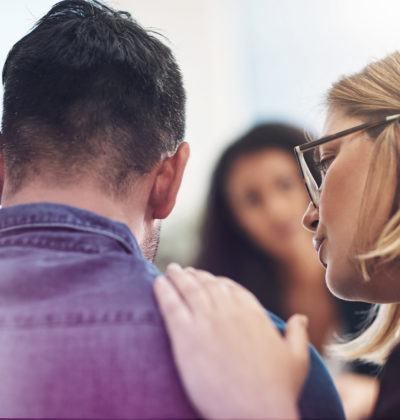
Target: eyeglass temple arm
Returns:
[[308, 146]]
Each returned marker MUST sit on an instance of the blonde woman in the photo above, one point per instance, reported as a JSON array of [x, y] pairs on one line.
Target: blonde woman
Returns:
[[239, 366]]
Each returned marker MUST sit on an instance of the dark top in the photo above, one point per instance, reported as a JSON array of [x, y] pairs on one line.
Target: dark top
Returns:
[[388, 404], [80, 331]]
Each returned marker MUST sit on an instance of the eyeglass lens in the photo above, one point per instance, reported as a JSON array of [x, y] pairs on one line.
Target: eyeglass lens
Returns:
[[309, 157]]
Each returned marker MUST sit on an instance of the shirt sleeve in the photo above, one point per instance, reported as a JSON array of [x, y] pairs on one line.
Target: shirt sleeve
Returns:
[[319, 398]]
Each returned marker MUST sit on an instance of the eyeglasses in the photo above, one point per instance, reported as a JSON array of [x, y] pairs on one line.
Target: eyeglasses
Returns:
[[312, 185]]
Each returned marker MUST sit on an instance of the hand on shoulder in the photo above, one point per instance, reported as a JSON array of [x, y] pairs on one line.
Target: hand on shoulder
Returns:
[[232, 360]]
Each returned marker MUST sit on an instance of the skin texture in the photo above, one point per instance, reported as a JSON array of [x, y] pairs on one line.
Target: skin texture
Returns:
[[206, 315], [334, 223], [267, 198]]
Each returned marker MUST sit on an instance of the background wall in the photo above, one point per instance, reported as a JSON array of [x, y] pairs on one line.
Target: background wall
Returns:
[[243, 61]]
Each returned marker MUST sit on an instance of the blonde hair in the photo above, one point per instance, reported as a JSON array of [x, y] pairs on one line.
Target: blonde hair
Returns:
[[372, 94]]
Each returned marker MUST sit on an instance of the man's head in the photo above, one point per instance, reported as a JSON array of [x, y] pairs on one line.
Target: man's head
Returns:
[[89, 89], [94, 115]]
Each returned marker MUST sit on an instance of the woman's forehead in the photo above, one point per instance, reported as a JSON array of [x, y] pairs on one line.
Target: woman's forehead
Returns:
[[337, 120]]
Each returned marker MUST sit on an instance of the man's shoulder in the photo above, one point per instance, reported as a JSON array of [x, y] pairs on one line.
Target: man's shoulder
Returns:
[[112, 285], [98, 328]]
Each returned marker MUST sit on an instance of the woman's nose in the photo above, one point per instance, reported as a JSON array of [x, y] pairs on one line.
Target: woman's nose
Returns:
[[311, 218]]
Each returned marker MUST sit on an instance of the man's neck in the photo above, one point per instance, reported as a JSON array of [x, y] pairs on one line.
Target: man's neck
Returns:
[[82, 196]]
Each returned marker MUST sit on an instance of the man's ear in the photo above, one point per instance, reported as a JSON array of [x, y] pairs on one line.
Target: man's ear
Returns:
[[167, 182]]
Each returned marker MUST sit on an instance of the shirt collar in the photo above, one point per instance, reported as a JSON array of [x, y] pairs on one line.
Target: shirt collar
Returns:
[[45, 215]]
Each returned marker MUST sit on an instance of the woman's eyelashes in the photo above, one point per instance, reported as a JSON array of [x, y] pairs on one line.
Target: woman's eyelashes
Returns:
[[324, 164]]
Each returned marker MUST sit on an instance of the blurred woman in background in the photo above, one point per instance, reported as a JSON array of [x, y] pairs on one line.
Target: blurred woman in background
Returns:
[[252, 232]]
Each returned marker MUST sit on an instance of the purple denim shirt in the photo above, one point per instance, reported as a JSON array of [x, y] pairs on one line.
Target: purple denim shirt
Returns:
[[80, 331]]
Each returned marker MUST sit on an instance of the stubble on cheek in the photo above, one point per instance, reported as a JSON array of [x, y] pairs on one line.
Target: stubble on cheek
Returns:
[[149, 245]]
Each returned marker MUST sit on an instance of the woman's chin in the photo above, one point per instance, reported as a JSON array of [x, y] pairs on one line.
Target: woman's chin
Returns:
[[344, 285]]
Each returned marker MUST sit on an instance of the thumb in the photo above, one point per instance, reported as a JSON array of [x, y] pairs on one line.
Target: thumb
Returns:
[[297, 337]]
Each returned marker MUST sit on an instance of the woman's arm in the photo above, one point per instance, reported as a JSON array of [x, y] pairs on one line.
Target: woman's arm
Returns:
[[232, 361]]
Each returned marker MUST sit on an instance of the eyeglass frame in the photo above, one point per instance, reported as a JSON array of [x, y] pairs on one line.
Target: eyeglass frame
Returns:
[[311, 185]]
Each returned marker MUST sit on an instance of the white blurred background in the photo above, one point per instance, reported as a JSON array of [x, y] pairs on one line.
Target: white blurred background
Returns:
[[243, 61]]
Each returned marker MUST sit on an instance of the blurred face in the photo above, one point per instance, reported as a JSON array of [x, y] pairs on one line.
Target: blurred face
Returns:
[[267, 198], [334, 224]]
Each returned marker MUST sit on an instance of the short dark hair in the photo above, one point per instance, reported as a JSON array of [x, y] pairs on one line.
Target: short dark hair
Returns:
[[89, 84]]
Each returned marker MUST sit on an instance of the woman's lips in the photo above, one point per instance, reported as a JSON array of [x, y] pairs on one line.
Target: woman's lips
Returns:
[[318, 242]]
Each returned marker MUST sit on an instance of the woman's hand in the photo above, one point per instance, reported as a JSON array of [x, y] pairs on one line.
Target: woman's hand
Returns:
[[232, 360]]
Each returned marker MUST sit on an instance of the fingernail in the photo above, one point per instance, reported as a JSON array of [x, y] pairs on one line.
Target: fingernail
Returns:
[[303, 319], [174, 266]]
